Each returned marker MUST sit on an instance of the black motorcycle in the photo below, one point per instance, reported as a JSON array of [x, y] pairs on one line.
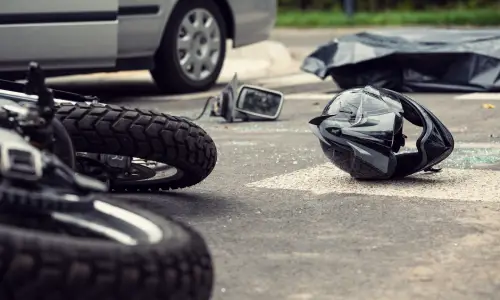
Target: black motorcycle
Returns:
[[131, 149], [61, 237]]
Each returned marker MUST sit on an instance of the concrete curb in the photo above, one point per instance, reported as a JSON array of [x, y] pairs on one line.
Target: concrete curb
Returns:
[[263, 59], [268, 58]]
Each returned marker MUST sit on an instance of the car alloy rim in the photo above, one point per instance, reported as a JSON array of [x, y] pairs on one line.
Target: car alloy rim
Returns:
[[198, 44]]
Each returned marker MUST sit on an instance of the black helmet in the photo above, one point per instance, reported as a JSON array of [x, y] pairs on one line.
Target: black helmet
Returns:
[[361, 131]]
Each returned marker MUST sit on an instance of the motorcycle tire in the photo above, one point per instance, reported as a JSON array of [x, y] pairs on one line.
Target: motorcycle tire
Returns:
[[145, 134], [49, 256]]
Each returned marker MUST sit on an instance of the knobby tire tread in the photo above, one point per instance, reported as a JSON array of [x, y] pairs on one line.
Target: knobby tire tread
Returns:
[[141, 133], [36, 266]]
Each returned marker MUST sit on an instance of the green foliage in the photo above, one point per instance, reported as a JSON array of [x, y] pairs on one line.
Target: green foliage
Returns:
[[383, 5], [325, 18]]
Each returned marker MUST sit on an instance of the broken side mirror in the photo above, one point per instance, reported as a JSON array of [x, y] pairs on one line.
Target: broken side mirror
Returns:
[[251, 103], [256, 103], [223, 106]]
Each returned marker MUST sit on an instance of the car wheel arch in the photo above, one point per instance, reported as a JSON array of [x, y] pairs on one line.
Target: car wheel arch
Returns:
[[228, 15], [225, 9]]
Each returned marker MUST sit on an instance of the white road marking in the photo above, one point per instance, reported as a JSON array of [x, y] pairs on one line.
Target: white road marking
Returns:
[[309, 96], [271, 83], [288, 80], [479, 97], [477, 145], [450, 184], [324, 96]]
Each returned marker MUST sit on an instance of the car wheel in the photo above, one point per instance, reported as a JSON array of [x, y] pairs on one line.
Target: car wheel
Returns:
[[193, 48]]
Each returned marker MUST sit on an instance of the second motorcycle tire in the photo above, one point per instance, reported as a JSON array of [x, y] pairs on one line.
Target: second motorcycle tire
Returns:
[[50, 256]]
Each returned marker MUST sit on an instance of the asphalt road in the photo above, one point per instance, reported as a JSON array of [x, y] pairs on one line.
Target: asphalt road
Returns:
[[297, 243], [283, 225], [291, 244]]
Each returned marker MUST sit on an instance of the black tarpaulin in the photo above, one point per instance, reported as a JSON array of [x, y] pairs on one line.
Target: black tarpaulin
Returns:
[[412, 60]]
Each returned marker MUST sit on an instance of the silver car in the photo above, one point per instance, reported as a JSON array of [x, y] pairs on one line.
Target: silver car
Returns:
[[182, 42]]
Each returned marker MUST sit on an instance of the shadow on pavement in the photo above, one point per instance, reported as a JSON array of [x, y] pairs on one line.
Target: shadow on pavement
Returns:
[[180, 203], [117, 90], [402, 181], [112, 89]]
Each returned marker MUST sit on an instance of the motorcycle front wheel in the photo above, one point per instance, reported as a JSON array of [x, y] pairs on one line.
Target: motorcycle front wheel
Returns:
[[183, 154], [112, 252]]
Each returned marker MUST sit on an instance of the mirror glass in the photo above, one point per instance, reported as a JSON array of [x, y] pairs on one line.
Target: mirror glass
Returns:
[[258, 101]]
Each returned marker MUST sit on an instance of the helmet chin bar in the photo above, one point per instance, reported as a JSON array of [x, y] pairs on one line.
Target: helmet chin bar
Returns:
[[432, 152]]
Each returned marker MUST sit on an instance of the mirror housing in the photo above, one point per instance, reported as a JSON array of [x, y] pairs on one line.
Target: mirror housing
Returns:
[[223, 106]]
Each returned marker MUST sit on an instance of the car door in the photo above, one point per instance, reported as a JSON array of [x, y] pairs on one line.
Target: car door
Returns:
[[141, 26], [58, 34]]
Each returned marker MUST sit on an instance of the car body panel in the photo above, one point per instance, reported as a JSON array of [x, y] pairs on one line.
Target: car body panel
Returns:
[[74, 36], [58, 33], [254, 20], [141, 24]]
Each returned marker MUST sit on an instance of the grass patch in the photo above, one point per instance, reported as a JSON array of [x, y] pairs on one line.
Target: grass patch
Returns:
[[474, 17]]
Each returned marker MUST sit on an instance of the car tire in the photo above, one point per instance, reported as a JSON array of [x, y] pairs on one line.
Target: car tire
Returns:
[[168, 72]]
